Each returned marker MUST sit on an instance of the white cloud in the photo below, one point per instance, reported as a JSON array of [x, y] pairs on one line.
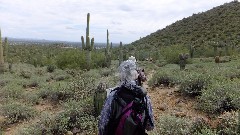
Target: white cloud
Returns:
[[66, 19]]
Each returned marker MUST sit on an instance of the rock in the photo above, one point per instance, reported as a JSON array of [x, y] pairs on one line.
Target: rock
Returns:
[[69, 133], [75, 130], [162, 107], [180, 114]]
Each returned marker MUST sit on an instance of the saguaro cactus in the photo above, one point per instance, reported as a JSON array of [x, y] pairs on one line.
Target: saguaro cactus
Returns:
[[88, 47], [191, 51], [1, 55], [108, 52], [183, 60], [120, 53], [5, 48], [99, 98]]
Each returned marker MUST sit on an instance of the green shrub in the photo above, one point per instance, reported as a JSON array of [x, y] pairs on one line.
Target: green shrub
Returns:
[[220, 96], [198, 124], [193, 84], [12, 90], [56, 92], [3, 83], [51, 68], [171, 53], [172, 125], [206, 131], [26, 74], [31, 98], [228, 124], [76, 59], [61, 77], [31, 84], [16, 112], [31, 130], [83, 86], [165, 77], [105, 72]]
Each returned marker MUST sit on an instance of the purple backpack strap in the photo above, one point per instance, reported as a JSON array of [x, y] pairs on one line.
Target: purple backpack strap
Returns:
[[119, 130]]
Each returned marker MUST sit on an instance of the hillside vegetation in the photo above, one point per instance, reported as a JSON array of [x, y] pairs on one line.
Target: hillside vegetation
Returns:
[[216, 27]]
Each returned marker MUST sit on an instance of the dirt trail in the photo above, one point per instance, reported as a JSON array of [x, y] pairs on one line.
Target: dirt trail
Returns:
[[41, 107], [169, 101]]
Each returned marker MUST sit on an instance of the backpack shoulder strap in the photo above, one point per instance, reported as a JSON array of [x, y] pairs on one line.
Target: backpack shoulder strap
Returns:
[[147, 115]]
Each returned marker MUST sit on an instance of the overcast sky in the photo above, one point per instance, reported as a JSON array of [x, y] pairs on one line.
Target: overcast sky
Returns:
[[126, 20]]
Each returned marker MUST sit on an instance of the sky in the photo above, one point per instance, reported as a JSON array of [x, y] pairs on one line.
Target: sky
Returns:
[[66, 20]]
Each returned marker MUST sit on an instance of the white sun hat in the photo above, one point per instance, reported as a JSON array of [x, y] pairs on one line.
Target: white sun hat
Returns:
[[132, 58]]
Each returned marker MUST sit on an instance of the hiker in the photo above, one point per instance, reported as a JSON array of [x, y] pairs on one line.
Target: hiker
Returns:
[[127, 109], [141, 77]]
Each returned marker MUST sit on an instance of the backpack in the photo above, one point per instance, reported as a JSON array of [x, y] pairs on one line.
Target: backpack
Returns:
[[129, 111]]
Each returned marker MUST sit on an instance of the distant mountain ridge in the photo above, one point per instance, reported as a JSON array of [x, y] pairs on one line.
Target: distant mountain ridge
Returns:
[[29, 41], [220, 24]]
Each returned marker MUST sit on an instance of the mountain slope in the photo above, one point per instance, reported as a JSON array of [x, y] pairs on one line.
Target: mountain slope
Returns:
[[220, 24]]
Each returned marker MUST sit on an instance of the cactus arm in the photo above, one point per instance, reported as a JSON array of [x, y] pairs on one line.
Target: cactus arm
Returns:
[[83, 44], [92, 44]]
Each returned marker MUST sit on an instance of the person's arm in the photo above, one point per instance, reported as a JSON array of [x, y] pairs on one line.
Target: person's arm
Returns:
[[105, 116], [150, 122]]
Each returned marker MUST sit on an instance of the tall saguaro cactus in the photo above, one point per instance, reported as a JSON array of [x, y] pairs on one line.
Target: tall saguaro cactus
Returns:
[[121, 53], [108, 52], [1, 55], [5, 48], [191, 51], [88, 47]]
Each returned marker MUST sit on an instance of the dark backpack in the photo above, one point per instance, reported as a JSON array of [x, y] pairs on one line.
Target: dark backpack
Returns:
[[129, 111]]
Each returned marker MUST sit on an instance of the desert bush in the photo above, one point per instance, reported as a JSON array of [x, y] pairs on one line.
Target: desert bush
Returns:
[[25, 74], [73, 72], [83, 86], [172, 125], [16, 112], [12, 90], [205, 60], [56, 92], [228, 124], [3, 83], [40, 72], [165, 77], [34, 129], [71, 59], [31, 98], [105, 72], [193, 84], [61, 77], [206, 131], [78, 115], [51, 68], [198, 124], [76, 59], [31, 84], [219, 97], [171, 54]]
